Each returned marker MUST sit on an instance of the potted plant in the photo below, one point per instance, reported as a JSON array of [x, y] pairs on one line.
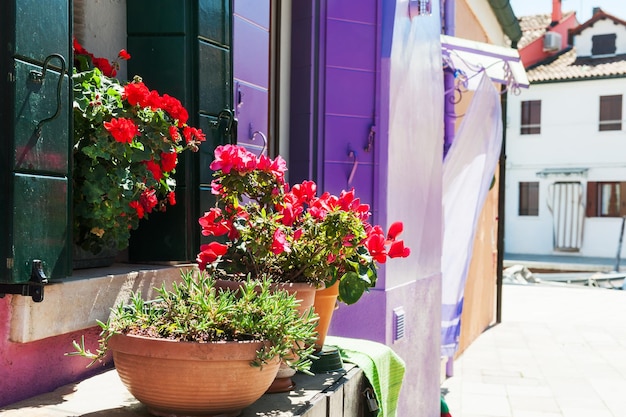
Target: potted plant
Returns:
[[197, 350], [127, 141], [261, 225]]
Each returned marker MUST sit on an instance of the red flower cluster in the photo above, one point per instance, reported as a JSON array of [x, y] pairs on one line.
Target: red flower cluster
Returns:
[[133, 136], [291, 233], [377, 243], [147, 202], [107, 67], [137, 94]]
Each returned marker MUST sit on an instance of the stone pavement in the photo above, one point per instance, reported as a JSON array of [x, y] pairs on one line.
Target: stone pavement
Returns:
[[560, 351]]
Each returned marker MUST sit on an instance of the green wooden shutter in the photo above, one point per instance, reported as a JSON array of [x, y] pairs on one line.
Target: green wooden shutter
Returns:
[[183, 48], [36, 120]]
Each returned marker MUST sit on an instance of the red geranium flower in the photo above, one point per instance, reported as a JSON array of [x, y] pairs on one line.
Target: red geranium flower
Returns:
[[123, 130], [138, 208], [279, 243], [123, 55], [155, 169], [148, 200], [169, 161], [136, 93]]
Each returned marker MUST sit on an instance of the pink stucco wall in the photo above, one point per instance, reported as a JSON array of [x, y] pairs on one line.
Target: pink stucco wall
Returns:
[[27, 369], [533, 53]]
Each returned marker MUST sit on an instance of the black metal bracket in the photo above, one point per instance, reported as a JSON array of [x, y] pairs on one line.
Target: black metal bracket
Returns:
[[32, 288]]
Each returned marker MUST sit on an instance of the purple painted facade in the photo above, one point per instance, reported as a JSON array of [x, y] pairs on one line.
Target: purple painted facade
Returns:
[[361, 67]]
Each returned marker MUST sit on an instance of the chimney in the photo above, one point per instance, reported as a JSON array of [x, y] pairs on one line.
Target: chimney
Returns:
[[595, 10], [557, 15]]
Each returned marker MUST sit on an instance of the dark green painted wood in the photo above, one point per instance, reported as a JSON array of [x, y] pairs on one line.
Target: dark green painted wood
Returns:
[[183, 48], [164, 17], [214, 22], [161, 63], [41, 29], [214, 75], [45, 152], [40, 226], [34, 168]]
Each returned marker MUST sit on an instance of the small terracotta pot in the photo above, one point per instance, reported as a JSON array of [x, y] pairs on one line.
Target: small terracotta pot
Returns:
[[191, 379], [324, 305]]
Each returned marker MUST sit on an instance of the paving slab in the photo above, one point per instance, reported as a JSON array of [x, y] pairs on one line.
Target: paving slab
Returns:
[[560, 351]]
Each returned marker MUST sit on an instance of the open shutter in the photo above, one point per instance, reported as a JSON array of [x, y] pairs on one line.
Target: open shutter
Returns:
[[592, 199], [36, 120], [183, 48]]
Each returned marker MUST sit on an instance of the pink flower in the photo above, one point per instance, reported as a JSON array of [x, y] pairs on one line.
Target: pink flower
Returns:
[[305, 192], [209, 253], [394, 230], [213, 223], [279, 243], [398, 250]]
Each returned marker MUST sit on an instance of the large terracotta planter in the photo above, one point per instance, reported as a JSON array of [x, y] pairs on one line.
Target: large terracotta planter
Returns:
[[324, 304], [191, 379], [305, 295]]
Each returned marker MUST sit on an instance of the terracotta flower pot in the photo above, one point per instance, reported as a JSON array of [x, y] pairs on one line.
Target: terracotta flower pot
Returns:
[[187, 379], [324, 305]]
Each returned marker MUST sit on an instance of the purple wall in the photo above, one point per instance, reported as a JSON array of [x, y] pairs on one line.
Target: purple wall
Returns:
[[251, 56], [378, 67]]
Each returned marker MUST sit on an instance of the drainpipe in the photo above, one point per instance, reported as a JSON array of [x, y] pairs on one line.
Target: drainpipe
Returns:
[[448, 80], [511, 27], [507, 20], [500, 221]]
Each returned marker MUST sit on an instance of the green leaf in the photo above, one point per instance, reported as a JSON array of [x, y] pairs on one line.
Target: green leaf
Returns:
[[351, 287]]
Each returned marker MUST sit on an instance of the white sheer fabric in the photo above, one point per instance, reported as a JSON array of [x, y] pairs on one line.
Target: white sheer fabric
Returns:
[[467, 173]]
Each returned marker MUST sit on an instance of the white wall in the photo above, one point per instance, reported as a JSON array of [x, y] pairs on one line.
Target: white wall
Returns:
[[583, 42], [569, 139], [105, 29]]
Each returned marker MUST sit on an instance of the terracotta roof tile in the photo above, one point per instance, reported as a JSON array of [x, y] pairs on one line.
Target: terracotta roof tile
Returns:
[[568, 67]]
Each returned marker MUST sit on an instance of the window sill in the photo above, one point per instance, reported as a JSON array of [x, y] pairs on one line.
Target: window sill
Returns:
[[76, 303]]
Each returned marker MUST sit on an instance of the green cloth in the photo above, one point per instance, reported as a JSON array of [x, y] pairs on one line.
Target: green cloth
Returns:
[[382, 366]]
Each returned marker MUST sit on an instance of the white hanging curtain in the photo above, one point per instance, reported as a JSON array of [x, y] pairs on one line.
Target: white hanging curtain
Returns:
[[467, 174]]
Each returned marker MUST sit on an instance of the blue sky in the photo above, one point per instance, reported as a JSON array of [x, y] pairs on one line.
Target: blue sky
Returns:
[[583, 8]]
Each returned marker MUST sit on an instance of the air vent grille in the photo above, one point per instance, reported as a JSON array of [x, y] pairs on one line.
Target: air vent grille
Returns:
[[399, 323]]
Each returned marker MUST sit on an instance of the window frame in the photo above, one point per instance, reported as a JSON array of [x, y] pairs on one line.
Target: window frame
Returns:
[[528, 204], [597, 200], [530, 117], [609, 107]]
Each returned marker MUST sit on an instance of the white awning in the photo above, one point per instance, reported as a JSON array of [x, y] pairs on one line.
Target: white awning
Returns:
[[562, 172], [468, 58]]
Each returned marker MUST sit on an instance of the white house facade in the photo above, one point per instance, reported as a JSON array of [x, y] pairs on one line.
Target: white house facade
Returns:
[[566, 148]]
